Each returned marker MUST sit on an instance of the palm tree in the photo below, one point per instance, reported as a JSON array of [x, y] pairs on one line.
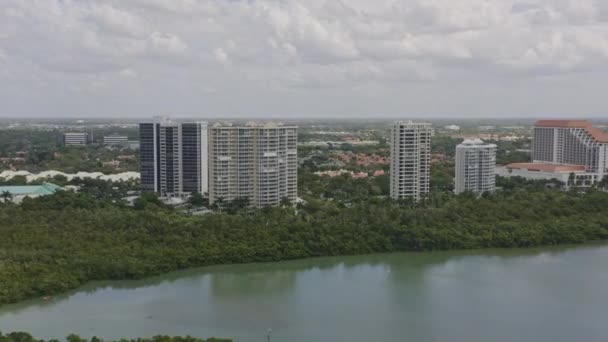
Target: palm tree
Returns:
[[6, 196], [571, 179], [285, 202], [604, 183]]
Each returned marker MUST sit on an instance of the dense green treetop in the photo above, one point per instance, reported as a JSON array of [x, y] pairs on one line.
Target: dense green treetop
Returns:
[[58, 242], [25, 337]]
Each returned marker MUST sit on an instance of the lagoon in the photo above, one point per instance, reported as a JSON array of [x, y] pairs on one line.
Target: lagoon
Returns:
[[544, 294]]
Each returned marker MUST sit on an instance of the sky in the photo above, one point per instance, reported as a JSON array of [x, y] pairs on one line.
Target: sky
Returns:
[[304, 58]]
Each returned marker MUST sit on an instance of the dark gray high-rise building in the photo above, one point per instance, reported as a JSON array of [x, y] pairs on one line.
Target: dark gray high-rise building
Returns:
[[148, 156], [173, 157]]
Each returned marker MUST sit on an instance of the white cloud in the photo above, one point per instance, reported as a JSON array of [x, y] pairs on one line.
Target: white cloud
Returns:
[[221, 56], [302, 45]]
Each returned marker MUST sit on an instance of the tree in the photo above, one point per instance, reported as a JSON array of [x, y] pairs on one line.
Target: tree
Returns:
[[604, 183], [146, 199], [6, 196], [571, 179], [237, 205], [285, 202], [197, 200]]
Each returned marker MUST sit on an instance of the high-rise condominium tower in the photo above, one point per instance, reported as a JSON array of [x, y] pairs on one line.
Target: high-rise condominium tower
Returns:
[[173, 157], [410, 160], [255, 162], [571, 142], [475, 167]]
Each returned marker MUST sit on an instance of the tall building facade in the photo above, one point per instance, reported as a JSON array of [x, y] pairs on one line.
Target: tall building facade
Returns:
[[475, 167], [571, 142], [410, 160], [255, 162], [173, 157]]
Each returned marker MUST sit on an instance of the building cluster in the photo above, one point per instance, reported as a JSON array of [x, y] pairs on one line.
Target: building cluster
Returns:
[[571, 151], [361, 159], [254, 162], [411, 163], [112, 140]]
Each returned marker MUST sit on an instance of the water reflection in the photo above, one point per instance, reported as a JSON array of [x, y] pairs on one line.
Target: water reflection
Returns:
[[460, 296]]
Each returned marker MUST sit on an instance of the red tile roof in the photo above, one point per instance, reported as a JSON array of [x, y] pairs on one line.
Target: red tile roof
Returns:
[[596, 133], [543, 167], [563, 123]]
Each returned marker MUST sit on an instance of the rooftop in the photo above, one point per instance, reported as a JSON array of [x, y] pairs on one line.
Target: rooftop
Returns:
[[474, 143], [44, 189], [413, 123], [252, 124], [544, 167], [596, 133]]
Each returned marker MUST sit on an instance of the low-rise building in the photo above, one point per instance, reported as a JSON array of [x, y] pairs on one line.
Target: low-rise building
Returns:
[[75, 138], [16, 194], [567, 174], [133, 144], [115, 140]]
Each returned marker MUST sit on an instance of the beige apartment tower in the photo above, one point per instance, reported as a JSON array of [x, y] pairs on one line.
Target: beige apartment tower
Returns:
[[410, 160], [257, 162]]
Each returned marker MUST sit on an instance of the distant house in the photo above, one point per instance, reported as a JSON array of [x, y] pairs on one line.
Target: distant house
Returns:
[[18, 193]]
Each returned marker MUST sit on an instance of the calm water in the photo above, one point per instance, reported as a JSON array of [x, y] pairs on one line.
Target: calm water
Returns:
[[558, 294]]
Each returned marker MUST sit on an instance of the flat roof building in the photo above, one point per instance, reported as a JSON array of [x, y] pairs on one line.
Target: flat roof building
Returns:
[[115, 140], [567, 174], [75, 138], [18, 193]]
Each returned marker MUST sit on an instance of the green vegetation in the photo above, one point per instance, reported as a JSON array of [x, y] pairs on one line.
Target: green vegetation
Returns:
[[445, 145], [25, 337], [512, 152], [55, 243], [43, 150]]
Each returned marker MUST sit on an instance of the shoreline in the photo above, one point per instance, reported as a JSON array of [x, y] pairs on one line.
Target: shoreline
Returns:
[[94, 285]]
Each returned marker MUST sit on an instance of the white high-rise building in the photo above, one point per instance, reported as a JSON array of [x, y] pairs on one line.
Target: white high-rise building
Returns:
[[174, 157], [410, 160], [256, 162], [475, 167]]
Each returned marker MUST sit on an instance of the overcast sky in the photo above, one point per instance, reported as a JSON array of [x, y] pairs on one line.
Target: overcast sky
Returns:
[[304, 58]]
